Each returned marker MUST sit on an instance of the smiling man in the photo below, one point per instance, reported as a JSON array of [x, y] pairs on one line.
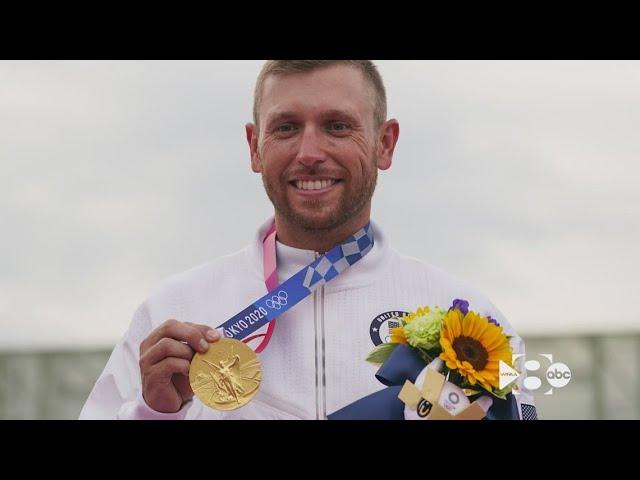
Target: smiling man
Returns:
[[318, 138]]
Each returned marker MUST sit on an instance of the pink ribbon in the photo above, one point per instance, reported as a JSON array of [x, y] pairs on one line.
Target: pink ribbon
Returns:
[[270, 280]]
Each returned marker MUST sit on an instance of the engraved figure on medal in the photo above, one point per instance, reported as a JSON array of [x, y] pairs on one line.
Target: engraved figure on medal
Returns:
[[227, 376]]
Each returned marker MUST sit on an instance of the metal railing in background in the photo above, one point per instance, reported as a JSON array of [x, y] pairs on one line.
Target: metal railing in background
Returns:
[[605, 382], [47, 385]]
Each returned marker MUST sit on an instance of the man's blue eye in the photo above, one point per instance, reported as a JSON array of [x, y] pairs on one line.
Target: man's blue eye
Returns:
[[287, 127], [339, 126]]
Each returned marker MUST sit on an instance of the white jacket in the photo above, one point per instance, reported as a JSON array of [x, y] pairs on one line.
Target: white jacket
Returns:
[[315, 362]]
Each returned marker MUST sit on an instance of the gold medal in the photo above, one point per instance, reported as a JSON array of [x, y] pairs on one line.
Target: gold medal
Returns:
[[227, 376]]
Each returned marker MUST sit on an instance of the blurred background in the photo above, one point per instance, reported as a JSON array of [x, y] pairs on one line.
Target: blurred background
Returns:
[[517, 176]]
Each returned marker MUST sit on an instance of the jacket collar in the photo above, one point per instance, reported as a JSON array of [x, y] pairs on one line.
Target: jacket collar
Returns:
[[291, 260]]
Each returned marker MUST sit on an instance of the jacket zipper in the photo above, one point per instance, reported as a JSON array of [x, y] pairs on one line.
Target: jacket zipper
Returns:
[[318, 317]]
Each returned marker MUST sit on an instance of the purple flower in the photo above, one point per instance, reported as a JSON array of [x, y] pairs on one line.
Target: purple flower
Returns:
[[491, 320], [461, 305]]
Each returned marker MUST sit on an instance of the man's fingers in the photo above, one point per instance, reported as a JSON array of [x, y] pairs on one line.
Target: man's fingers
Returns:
[[178, 331], [165, 361], [184, 387], [166, 347], [164, 369], [211, 334]]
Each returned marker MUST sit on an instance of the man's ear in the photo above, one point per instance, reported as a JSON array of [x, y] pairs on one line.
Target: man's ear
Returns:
[[252, 139], [387, 139]]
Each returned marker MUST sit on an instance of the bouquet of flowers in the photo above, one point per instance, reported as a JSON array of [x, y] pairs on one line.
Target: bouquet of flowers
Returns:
[[437, 361], [470, 345]]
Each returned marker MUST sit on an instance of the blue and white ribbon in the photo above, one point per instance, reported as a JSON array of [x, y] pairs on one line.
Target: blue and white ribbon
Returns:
[[289, 293]]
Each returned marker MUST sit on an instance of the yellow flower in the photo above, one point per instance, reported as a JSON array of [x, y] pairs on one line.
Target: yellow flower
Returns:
[[418, 313], [397, 333], [474, 346]]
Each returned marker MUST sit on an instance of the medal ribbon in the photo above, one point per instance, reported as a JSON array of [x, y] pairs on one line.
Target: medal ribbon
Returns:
[[270, 281], [292, 291]]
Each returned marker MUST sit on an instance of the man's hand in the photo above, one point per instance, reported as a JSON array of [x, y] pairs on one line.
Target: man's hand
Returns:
[[165, 358]]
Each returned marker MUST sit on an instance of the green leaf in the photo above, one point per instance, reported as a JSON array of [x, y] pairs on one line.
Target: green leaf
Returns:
[[380, 353], [428, 354], [502, 393]]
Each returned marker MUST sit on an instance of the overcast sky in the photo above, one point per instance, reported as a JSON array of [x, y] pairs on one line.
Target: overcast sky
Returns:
[[519, 177]]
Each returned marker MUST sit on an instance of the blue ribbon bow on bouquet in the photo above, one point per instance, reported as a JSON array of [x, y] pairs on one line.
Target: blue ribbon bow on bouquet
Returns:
[[403, 364]]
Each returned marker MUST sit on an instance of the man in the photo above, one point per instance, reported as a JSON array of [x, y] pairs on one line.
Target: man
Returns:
[[320, 134]]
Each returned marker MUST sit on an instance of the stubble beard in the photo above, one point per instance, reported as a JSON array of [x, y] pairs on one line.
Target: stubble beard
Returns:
[[350, 204]]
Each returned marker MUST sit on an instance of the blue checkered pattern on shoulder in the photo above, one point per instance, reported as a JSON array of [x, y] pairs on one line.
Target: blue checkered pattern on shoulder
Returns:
[[339, 258]]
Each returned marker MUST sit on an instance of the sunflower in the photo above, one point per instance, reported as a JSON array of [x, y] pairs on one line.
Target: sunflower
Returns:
[[473, 346]]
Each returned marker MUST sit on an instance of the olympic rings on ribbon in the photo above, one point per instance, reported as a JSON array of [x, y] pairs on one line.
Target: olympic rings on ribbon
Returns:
[[277, 301]]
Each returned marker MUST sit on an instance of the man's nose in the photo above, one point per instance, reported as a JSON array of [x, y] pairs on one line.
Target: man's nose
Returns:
[[310, 151]]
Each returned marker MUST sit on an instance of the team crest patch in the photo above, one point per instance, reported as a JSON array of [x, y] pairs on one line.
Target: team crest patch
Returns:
[[380, 328]]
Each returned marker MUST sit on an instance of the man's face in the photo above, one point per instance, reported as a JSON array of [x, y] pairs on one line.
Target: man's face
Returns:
[[317, 147]]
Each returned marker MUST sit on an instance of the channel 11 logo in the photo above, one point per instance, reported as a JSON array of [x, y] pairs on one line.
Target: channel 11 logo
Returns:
[[557, 374]]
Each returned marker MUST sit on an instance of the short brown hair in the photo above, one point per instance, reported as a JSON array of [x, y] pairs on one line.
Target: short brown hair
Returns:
[[285, 67]]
